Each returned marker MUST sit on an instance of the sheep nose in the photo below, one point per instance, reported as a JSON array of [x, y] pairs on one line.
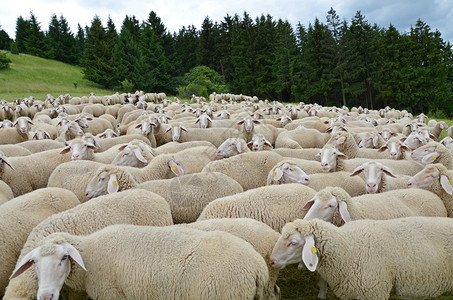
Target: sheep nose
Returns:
[[323, 164], [306, 181], [75, 156], [272, 262], [409, 184], [371, 185], [47, 297]]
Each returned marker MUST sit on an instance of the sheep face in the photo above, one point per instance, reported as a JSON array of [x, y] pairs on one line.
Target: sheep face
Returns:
[[368, 140], [146, 127], [176, 132], [290, 173], [23, 124], [204, 121], [425, 178], [249, 124], [328, 156], [287, 250], [131, 155], [40, 135], [80, 150], [395, 148], [52, 267], [107, 134], [284, 120], [98, 185], [323, 206], [372, 172], [427, 153], [258, 142]]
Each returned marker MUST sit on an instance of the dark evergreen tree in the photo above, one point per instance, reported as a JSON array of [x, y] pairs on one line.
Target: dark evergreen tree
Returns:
[[206, 55], [35, 42], [5, 40], [186, 44], [22, 27], [80, 40]]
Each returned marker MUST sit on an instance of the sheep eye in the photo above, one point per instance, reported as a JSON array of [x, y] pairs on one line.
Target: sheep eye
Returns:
[[65, 257]]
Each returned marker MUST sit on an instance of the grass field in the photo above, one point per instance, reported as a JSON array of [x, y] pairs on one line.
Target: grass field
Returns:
[[35, 76]]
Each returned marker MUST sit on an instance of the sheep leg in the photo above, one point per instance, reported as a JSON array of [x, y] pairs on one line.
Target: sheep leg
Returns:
[[323, 288]]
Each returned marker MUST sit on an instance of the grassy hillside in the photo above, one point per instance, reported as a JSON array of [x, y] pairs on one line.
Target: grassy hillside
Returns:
[[34, 76]]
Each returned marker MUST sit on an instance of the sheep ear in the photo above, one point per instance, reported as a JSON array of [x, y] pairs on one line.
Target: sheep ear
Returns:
[[357, 171], [139, 155], [309, 253], [122, 147], [168, 129], [430, 158], [91, 146], [318, 156], [278, 173], [138, 125], [183, 128], [176, 168], [375, 140], [405, 148], [74, 254], [112, 185], [341, 155], [241, 122], [308, 205], [344, 213], [383, 148], [388, 171], [198, 120], [256, 122], [238, 146], [446, 184], [266, 142], [431, 136], [65, 150], [25, 263], [47, 134]]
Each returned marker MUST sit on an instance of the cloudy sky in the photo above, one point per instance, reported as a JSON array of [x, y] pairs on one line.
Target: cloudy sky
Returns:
[[438, 14]]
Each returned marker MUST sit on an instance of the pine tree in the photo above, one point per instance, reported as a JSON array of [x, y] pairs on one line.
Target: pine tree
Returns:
[[35, 42], [22, 28], [206, 49], [5, 40], [80, 40], [186, 44]]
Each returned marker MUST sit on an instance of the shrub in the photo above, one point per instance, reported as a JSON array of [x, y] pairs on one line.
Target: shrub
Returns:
[[4, 61], [202, 81]]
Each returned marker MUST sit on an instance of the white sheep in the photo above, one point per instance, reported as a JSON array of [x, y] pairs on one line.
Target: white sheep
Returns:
[[83, 150], [18, 134], [301, 138], [335, 205], [106, 144], [380, 178], [107, 134], [134, 154], [437, 179], [258, 234], [138, 207], [259, 143], [14, 150], [249, 169], [41, 145], [20, 215], [231, 147], [368, 259], [28, 173], [205, 265], [434, 152], [273, 205], [6, 193], [214, 135], [173, 147], [396, 148]]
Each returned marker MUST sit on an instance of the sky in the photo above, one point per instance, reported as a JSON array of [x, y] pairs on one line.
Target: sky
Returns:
[[403, 14]]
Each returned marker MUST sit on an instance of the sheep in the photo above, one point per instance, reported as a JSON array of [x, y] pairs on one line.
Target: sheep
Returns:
[[14, 150], [308, 153], [41, 145], [107, 134], [94, 109], [345, 143], [75, 175], [450, 131], [273, 205], [248, 129], [434, 152], [377, 178], [231, 147], [369, 259], [214, 135], [106, 144], [50, 130], [258, 234], [82, 150], [189, 194], [146, 129], [70, 131], [301, 138], [173, 147], [138, 207], [314, 123], [134, 154], [205, 266], [18, 134], [255, 164], [204, 121], [27, 211], [437, 179], [370, 140], [396, 148], [27, 173], [259, 143], [437, 129], [335, 205], [6, 193]]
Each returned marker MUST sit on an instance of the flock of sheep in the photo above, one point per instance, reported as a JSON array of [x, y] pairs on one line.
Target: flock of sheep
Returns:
[[135, 196]]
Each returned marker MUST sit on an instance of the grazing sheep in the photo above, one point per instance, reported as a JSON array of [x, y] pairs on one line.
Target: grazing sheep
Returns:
[[437, 129], [258, 234], [249, 169], [437, 179], [20, 215], [335, 205], [273, 205], [231, 147], [432, 153], [380, 178], [205, 265], [368, 259], [28, 173], [301, 138], [396, 148], [137, 207], [146, 129]]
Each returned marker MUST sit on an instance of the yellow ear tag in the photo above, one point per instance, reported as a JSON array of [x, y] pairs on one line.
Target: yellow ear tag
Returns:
[[448, 181], [115, 182], [342, 140], [434, 157], [313, 250], [173, 168], [275, 173]]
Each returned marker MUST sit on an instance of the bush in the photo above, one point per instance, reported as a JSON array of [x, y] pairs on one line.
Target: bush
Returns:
[[4, 61], [14, 49], [202, 81], [127, 85]]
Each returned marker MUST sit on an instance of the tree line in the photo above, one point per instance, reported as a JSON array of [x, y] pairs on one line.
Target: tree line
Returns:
[[336, 62]]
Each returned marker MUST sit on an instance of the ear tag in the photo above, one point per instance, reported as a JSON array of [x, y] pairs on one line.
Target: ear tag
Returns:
[[434, 157], [448, 181], [275, 173], [314, 250], [115, 182], [173, 168], [342, 140]]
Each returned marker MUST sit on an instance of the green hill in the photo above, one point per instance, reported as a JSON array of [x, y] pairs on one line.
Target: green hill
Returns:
[[34, 76]]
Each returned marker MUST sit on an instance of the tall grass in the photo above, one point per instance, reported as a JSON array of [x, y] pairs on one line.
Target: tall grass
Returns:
[[34, 76]]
